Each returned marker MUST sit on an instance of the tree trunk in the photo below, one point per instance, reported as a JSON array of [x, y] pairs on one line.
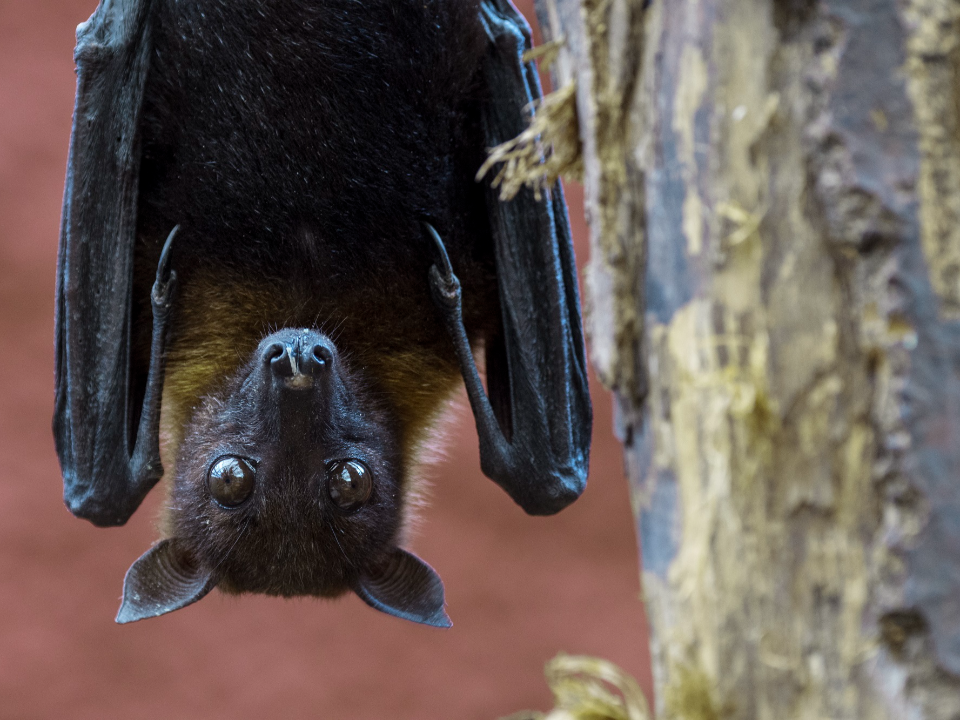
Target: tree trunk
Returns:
[[773, 189]]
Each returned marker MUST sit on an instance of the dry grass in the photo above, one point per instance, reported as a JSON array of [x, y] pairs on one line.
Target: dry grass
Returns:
[[588, 688], [546, 150]]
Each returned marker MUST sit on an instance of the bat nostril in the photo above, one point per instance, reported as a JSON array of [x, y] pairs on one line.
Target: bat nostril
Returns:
[[322, 355], [277, 357], [317, 360], [276, 350]]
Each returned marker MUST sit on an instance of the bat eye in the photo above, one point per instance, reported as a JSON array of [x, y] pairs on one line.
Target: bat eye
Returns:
[[230, 480], [349, 484]]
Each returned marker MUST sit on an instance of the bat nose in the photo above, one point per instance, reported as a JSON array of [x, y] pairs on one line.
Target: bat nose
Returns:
[[298, 359]]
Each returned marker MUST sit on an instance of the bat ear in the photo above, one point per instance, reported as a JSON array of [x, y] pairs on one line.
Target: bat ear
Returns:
[[165, 578], [403, 585]]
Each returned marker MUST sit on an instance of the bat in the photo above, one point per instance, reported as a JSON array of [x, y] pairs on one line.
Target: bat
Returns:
[[275, 257]]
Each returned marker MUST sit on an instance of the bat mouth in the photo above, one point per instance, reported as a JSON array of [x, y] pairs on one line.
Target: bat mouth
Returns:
[[298, 381]]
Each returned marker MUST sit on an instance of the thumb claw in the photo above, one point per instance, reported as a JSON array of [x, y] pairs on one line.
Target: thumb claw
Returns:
[[162, 291], [446, 288], [166, 279]]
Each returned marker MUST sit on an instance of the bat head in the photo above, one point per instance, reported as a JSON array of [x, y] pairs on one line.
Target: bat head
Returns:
[[288, 482]]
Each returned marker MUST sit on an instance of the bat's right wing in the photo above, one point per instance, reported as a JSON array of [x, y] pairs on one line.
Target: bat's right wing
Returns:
[[110, 459], [534, 426]]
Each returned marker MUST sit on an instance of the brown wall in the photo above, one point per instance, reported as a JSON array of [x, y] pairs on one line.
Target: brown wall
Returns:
[[519, 589]]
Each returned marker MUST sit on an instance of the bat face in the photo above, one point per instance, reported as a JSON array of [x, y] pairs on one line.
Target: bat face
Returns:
[[287, 483]]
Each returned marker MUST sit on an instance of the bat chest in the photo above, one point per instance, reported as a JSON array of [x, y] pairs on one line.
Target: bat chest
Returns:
[[372, 300], [312, 123], [299, 147]]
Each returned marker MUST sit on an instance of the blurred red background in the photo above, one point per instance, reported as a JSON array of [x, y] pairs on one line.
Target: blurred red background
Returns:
[[519, 589]]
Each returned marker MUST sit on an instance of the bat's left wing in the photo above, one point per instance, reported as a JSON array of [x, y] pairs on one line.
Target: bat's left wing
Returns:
[[535, 425], [109, 457]]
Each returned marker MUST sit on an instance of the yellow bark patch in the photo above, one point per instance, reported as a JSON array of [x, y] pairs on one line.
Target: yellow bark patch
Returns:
[[691, 86], [691, 695], [933, 71]]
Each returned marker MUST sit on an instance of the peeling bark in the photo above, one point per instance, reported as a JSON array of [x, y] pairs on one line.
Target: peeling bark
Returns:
[[773, 190]]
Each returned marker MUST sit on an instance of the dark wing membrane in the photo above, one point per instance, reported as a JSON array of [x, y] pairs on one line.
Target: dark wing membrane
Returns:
[[548, 396], [95, 266]]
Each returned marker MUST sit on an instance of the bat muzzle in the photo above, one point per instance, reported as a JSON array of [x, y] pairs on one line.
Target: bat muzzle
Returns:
[[298, 359]]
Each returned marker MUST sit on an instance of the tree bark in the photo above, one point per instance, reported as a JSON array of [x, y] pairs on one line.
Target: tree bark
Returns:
[[773, 191]]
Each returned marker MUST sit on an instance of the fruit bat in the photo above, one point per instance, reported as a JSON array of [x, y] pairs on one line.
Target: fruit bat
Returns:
[[275, 257]]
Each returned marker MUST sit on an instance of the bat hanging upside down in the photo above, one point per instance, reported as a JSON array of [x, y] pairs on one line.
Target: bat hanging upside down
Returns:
[[272, 231]]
